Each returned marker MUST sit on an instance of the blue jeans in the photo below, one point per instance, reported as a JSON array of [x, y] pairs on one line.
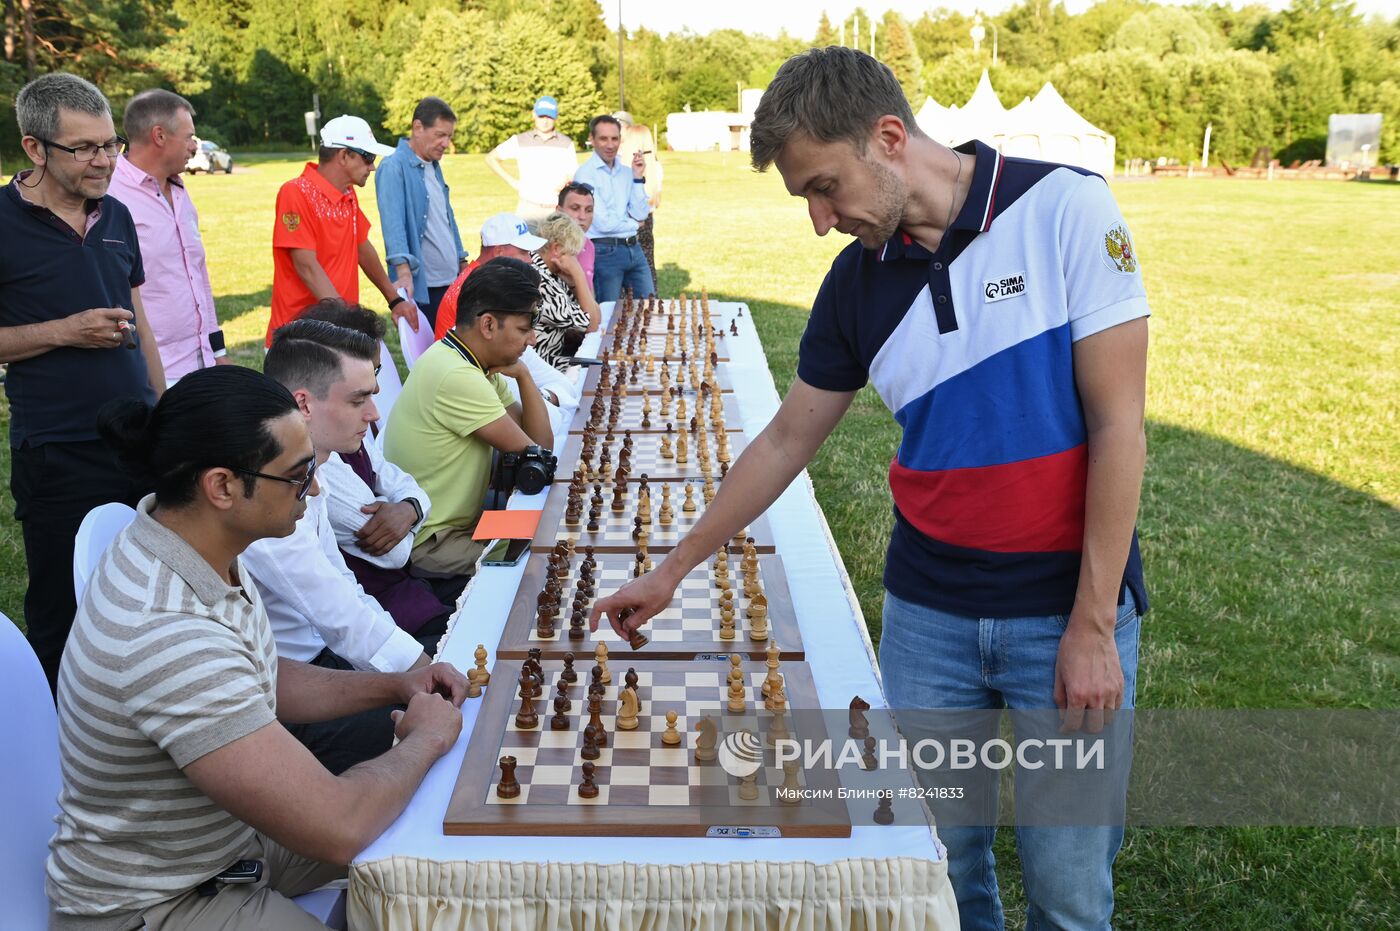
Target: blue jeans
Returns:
[[616, 267], [930, 660]]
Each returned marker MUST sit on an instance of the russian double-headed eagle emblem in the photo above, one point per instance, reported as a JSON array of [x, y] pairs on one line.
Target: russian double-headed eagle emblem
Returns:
[[291, 221], [1120, 249]]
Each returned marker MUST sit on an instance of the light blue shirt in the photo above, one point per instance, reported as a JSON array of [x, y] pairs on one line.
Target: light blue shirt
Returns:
[[402, 193], [619, 202]]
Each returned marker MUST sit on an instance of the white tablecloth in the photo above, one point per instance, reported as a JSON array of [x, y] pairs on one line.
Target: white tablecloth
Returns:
[[838, 651]]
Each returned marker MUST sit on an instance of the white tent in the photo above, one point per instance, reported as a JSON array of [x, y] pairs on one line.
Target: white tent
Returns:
[[1043, 128], [1050, 130]]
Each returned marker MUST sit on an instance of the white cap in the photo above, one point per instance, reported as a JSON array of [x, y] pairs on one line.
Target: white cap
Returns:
[[351, 132], [507, 229]]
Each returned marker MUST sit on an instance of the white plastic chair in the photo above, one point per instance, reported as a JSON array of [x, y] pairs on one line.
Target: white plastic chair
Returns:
[[29, 781], [97, 531], [390, 386], [415, 344]]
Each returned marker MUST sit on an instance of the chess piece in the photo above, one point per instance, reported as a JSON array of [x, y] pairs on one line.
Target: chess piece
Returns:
[[508, 787], [526, 719], [595, 717], [568, 676], [884, 811], [682, 448], [748, 784], [737, 699], [688, 505], [667, 514], [757, 612], [630, 678], [478, 676], [590, 750], [560, 721], [867, 759], [671, 737], [777, 726], [628, 709], [709, 736], [726, 622], [666, 451], [790, 793], [709, 490], [578, 622], [859, 728], [600, 656]]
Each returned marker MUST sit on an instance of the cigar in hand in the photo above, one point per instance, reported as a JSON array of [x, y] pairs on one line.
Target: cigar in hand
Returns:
[[130, 332]]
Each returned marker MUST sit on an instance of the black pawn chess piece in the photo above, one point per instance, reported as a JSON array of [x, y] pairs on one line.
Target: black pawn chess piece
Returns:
[[577, 623], [884, 811], [561, 690], [868, 759], [593, 525], [560, 721], [508, 787], [590, 749], [568, 675], [588, 789]]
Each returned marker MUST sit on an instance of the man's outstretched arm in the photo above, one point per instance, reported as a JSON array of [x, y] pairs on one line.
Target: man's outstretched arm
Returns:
[[770, 463]]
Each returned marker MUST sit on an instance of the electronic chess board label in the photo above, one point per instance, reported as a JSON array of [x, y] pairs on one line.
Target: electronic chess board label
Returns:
[[677, 455], [635, 754], [610, 516], [650, 413], [746, 608]]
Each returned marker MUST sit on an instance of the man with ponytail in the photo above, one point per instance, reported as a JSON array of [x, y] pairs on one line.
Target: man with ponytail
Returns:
[[172, 700]]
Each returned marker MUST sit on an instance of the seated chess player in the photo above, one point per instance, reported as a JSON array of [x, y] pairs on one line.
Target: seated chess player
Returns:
[[172, 701], [456, 409], [374, 506], [567, 307], [319, 612]]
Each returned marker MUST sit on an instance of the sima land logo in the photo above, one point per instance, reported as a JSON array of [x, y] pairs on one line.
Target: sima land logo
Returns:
[[999, 289]]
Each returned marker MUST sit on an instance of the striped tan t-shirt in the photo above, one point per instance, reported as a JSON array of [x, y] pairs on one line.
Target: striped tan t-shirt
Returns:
[[166, 662]]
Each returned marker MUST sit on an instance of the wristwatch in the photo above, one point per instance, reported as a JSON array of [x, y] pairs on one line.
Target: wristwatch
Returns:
[[417, 509]]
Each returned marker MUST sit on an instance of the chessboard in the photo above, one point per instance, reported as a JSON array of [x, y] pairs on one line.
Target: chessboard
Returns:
[[643, 413], [662, 457], [663, 345], [555, 617], [532, 771], [653, 376], [615, 529]]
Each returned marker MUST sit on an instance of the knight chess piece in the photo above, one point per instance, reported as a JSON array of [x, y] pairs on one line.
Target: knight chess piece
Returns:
[[709, 736]]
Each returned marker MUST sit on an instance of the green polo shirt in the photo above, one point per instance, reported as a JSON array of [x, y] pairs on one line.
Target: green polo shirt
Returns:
[[430, 433]]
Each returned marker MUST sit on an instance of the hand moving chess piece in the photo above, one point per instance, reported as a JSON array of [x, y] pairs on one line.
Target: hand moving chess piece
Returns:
[[508, 787], [709, 736]]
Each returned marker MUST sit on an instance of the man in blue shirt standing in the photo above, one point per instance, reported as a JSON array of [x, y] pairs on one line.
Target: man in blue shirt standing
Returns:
[[421, 242], [620, 205]]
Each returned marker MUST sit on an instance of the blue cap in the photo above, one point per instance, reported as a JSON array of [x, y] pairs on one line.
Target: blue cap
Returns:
[[547, 106]]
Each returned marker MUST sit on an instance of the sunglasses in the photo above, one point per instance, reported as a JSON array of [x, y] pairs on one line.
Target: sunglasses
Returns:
[[369, 159], [577, 187], [303, 484]]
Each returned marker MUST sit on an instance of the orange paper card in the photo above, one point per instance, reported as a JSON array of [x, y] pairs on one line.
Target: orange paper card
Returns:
[[507, 525]]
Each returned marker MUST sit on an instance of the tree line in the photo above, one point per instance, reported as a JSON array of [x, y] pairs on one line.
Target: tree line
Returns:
[[1153, 75]]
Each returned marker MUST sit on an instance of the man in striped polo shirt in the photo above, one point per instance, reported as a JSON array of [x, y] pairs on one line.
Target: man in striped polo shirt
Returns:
[[175, 764], [997, 307]]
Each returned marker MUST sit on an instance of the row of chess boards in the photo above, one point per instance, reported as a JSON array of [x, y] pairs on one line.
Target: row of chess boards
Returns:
[[536, 770]]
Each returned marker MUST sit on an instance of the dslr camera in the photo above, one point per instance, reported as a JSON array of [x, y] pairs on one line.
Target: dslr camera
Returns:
[[529, 470]]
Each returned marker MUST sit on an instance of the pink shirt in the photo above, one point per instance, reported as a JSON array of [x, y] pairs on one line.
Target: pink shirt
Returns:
[[178, 300], [585, 259]]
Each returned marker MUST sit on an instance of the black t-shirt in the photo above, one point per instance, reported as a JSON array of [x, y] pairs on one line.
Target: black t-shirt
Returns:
[[48, 272]]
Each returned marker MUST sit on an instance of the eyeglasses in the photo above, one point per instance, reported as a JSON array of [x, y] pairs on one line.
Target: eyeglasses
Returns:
[[303, 484], [576, 187], [369, 159], [377, 367], [88, 151]]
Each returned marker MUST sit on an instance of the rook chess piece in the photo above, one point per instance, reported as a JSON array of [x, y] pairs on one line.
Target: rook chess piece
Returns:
[[508, 787]]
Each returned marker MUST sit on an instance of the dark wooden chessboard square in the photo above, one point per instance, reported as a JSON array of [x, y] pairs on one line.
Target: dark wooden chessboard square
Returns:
[[687, 627], [645, 788]]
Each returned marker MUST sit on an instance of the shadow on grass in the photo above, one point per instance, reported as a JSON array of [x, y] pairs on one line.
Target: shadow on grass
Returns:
[[235, 305]]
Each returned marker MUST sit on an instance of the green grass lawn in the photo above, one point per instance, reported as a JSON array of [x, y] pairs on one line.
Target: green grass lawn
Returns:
[[1269, 518]]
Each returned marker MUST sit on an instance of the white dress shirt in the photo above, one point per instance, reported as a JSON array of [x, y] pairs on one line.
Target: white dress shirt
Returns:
[[345, 493], [314, 601]]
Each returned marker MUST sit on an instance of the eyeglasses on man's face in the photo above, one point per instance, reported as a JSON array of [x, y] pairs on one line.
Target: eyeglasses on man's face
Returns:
[[368, 157], [88, 150], [303, 484]]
